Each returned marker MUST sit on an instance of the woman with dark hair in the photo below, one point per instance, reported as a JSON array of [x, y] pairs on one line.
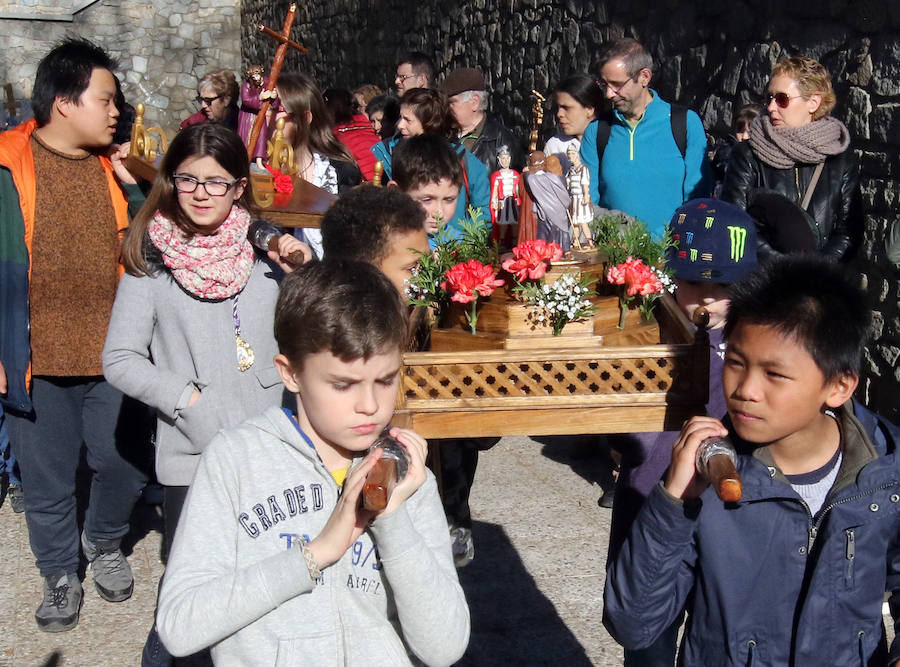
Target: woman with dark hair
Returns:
[[321, 159], [796, 175], [217, 95], [426, 111], [352, 129], [578, 99], [384, 113]]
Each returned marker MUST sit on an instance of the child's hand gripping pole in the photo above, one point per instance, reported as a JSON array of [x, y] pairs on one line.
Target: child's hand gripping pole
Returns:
[[266, 237], [715, 462]]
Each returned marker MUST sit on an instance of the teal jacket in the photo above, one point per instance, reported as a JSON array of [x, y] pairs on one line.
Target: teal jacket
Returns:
[[643, 173]]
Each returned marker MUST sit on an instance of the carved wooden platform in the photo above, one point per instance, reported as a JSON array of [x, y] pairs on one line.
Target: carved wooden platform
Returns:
[[591, 385]]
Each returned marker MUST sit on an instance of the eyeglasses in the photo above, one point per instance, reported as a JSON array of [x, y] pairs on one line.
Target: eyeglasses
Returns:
[[206, 100], [188, 184], [404, 77], [613, 86], [781, 99]]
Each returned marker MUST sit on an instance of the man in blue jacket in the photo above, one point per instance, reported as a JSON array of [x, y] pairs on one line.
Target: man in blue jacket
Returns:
[[794, 572], [650, 157]]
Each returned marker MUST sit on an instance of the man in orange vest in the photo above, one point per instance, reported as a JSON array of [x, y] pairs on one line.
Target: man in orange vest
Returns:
[[62, 209]]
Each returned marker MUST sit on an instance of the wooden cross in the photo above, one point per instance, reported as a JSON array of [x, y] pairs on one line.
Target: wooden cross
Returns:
[[11, 106], [284, 42]]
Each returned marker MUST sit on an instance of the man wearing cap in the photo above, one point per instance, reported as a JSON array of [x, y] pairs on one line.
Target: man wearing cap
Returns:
[[415, 70], [646, 157], [481, 133]]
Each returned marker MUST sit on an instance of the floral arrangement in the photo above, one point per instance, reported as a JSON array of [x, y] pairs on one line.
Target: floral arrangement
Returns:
[[638, 280], [429, 284], [469, 280], [560, 303], [283, 182], [529, 260], [636, 262]]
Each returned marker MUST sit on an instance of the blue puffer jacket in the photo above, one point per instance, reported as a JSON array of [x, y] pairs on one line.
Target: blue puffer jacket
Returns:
[[765, 583]]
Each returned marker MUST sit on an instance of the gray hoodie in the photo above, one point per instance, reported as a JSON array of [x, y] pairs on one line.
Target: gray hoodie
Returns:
[[236, 578], [162, 343]]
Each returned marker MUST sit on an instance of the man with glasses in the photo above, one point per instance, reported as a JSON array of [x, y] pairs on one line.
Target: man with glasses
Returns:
[[646, 157], [415, 70]]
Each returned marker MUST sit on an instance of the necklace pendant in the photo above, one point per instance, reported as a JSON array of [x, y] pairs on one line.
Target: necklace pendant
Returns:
[[245, 356]]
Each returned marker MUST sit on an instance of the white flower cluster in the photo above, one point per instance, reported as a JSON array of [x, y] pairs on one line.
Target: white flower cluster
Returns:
[[668, 284], [411, 289], [564, 299]]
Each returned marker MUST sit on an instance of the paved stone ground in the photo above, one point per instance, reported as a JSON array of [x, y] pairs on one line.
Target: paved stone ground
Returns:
[[534, 589]]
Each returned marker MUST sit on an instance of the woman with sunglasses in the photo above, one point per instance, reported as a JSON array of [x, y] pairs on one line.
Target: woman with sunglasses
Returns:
[[217, 97], [797, 175]]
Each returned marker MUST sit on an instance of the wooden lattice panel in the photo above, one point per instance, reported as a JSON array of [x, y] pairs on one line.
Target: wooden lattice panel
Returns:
[[648, 375]]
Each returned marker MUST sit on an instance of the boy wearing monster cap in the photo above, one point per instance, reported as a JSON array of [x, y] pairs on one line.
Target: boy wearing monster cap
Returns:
[[715, 246]]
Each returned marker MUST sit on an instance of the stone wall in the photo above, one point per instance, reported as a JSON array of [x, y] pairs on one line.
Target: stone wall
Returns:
[[163, 46], [712, 56]]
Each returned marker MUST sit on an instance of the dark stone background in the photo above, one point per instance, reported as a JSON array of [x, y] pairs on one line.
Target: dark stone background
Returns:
[[712, 56]]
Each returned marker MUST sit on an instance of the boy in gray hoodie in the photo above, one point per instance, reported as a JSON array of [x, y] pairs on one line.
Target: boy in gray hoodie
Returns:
[[275, 561]]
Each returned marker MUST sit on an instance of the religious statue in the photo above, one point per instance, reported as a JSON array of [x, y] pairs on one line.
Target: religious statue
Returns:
[[253, 94], [547, 189], [581, 213], [505, 199]]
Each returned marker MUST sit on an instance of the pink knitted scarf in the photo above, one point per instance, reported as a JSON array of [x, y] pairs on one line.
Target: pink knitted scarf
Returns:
[[214, 266]]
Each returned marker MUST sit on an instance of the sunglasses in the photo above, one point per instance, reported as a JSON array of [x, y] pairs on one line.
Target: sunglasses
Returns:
[[208, 100], [781, 99]]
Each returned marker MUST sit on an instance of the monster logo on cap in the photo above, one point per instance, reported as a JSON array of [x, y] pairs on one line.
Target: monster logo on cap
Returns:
[[738, 236]]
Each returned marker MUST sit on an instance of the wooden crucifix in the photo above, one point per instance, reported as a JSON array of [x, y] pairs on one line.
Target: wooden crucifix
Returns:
[[284, 42]]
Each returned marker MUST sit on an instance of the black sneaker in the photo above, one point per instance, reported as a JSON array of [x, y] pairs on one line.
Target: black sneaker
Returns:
[[112, 573], [606, 500], [16, 498], [62, 602]]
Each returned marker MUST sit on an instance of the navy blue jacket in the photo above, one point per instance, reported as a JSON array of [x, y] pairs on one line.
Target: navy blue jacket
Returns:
[[764, 582]]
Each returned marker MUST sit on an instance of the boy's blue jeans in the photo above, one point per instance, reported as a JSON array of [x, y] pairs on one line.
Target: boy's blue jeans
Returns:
[[67, 412]]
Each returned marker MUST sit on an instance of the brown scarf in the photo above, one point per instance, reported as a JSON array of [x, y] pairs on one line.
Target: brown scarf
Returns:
[[783, 147]]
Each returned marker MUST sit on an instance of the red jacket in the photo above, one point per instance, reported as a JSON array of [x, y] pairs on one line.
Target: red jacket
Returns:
[[359, 137]]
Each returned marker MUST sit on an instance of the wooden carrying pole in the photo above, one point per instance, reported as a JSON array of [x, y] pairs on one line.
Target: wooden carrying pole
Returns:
[[284, 42]]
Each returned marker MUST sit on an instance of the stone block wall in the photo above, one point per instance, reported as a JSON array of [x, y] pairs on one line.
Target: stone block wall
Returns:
[[163, 46], [712, 56]]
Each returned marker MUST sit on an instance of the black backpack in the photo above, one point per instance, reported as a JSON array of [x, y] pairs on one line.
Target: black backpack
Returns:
[[678, 119]]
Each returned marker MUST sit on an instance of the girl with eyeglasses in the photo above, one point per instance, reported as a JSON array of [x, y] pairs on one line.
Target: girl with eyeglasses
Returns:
[[191, 330], [796, 175], [217, 97]]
